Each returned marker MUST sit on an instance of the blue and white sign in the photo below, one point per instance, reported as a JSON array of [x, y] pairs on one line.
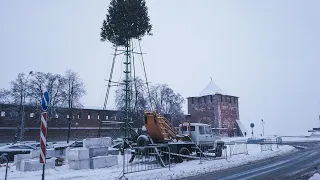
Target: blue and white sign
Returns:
[[45, 101]]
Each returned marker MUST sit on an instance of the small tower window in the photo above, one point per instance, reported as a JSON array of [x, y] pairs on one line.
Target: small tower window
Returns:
[[3, 114], [89, 116], [211, 98]]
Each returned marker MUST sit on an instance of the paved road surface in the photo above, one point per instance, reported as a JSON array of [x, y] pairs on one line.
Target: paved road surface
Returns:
[[289, 166]]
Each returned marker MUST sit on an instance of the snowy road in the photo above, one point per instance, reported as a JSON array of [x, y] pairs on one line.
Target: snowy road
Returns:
[[289, 166]]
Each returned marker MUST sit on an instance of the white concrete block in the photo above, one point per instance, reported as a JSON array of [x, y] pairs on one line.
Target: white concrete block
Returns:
[[103, 161], [35, 153], [112, 160], [77, 165], [100, 151], [77, 154], [18, 157], [97, 142], [34, 164], [113, 151], [98, 162], [50, 153], [56, 153], [60, 153]]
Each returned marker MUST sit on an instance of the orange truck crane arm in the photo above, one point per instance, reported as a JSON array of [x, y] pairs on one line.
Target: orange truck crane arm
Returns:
[[158, 127]]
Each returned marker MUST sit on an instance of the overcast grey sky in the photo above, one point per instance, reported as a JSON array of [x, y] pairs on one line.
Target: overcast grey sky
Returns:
[[265, 52]]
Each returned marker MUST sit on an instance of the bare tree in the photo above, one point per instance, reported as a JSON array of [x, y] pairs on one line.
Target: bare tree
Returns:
[[18, 95], [54, 84], [73, 90], [138, 99], [168, 102], [164, 99], [55, 87], [4, 96], [34, 90]]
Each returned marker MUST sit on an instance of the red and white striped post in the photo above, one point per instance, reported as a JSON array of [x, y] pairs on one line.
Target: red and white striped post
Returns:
[[43, 131], [43, 137]]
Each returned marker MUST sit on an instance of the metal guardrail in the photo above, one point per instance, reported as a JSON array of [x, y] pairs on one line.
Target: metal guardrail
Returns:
[[147, 158], [279, 141], [266, 145], [238, 148], [4, 160], [209, 152]]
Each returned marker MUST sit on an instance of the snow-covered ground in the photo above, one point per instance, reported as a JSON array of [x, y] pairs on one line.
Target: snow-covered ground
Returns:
[[184, 169], [315, 177], [300, 138]]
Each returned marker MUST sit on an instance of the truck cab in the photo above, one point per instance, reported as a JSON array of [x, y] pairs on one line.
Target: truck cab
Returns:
[[198, 132]]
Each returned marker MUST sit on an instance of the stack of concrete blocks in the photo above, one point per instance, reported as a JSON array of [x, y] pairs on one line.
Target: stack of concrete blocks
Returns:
[[94, 154], [78, 158], [34, 164], [31, 161]]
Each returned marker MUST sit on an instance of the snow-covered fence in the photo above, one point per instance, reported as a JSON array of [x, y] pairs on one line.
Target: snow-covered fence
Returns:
[[266, 145], [146, 158], [238, 148], [279, 141], [211, 151]]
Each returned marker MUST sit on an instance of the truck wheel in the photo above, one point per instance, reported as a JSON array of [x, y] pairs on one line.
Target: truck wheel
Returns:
[[183, 151], [142, 140], [219, 151]]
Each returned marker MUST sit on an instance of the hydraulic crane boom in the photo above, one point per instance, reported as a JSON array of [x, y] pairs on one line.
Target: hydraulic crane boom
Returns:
[[158, 127]]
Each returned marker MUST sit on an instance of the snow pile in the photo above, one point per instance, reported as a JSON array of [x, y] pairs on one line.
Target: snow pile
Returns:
[[315, 177], [300, 138], [184, 169]]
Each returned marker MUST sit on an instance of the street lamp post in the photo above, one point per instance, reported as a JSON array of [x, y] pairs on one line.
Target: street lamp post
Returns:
[[77, 130], [23, 103], [262, 127]]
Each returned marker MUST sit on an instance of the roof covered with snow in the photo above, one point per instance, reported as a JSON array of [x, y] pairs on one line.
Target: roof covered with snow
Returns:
[[210, 89]]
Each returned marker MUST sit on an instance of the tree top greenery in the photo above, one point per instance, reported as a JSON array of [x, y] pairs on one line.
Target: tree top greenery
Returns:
[[126, 19]]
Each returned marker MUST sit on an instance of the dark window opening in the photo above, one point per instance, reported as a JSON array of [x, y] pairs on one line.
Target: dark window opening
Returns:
[[145, 120], [185, 128], [201, 130], [211, 98]]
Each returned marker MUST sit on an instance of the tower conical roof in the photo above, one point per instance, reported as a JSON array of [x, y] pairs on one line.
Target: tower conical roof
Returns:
[[211, 89]]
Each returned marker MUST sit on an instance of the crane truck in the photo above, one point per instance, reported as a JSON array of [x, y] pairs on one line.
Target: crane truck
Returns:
[[188, 139]]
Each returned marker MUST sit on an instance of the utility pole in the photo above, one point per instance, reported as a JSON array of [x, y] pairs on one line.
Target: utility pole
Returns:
[[262, 127], [23, 104]]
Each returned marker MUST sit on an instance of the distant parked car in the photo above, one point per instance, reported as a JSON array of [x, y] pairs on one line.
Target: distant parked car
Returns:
[[14, 149], [77, 144], [37, 145]]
